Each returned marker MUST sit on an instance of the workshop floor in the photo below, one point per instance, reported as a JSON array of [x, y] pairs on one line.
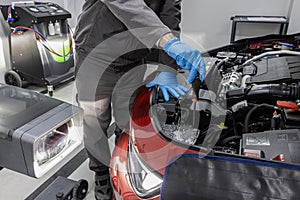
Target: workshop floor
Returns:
[[15, 186]]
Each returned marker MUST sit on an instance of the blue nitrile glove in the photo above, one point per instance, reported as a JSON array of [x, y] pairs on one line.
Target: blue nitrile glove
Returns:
[[167, 83], [187, 58]]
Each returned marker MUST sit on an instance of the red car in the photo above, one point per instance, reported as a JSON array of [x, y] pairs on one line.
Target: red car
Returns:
[[139, 160], [219, 140]]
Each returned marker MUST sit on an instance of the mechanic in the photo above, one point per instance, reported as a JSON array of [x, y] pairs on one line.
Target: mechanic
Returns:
[[113, 37]]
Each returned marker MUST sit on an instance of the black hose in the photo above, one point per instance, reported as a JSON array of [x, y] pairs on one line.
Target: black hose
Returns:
[[248, 116], [229, 139], [264, 92]]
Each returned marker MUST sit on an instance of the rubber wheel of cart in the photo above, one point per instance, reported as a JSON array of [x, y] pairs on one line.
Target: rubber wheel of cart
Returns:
[[13, 78], [80, 189]]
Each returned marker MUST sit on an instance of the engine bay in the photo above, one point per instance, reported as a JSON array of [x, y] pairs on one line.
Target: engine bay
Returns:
[[248, 104]]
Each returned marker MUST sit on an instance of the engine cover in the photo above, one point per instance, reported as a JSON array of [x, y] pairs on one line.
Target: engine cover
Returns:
[[276, 69]]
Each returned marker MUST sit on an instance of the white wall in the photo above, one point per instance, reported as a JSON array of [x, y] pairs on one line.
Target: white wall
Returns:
[[73, 6], [208, 21], [295, 18], [59, 2]]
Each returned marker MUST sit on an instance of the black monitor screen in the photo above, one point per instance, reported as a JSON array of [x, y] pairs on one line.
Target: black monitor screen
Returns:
[[42, 8]]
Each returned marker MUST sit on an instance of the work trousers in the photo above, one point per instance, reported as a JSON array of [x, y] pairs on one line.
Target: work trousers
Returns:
[[105, 94]]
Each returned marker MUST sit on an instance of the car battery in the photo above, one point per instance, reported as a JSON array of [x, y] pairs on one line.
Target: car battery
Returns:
[[275, 144]]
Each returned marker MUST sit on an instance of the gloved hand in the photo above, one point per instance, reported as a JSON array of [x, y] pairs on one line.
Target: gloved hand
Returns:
[[167, 82], [187, 58]]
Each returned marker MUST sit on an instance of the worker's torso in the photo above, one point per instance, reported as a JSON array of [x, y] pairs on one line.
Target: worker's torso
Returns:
[[97, 23]]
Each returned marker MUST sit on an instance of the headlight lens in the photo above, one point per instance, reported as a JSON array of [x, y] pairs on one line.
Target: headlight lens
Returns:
[[181, 133], [145, 181], [175, 119], [52, 143]]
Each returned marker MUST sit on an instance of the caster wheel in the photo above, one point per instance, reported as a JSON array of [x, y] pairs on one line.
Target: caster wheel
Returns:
[[50, 90], [13, 78], [80, 190]]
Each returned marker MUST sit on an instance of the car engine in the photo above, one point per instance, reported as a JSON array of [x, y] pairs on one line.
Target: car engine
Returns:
[[248, 104]]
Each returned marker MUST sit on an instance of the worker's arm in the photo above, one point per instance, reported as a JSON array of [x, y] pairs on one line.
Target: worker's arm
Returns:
[[170, 15], [186, 57], [141, 20]]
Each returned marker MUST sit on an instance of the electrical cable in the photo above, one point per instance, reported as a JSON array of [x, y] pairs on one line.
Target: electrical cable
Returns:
[[71, 39], [9, 10], [42, 38], [9, 19]]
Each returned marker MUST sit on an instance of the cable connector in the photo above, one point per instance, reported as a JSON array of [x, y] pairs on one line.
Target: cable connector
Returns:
[[10, 19]]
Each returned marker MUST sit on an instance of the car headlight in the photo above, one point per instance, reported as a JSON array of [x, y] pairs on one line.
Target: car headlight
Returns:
[[175, 121], [53, 143], [145, 181], [185, 134]]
